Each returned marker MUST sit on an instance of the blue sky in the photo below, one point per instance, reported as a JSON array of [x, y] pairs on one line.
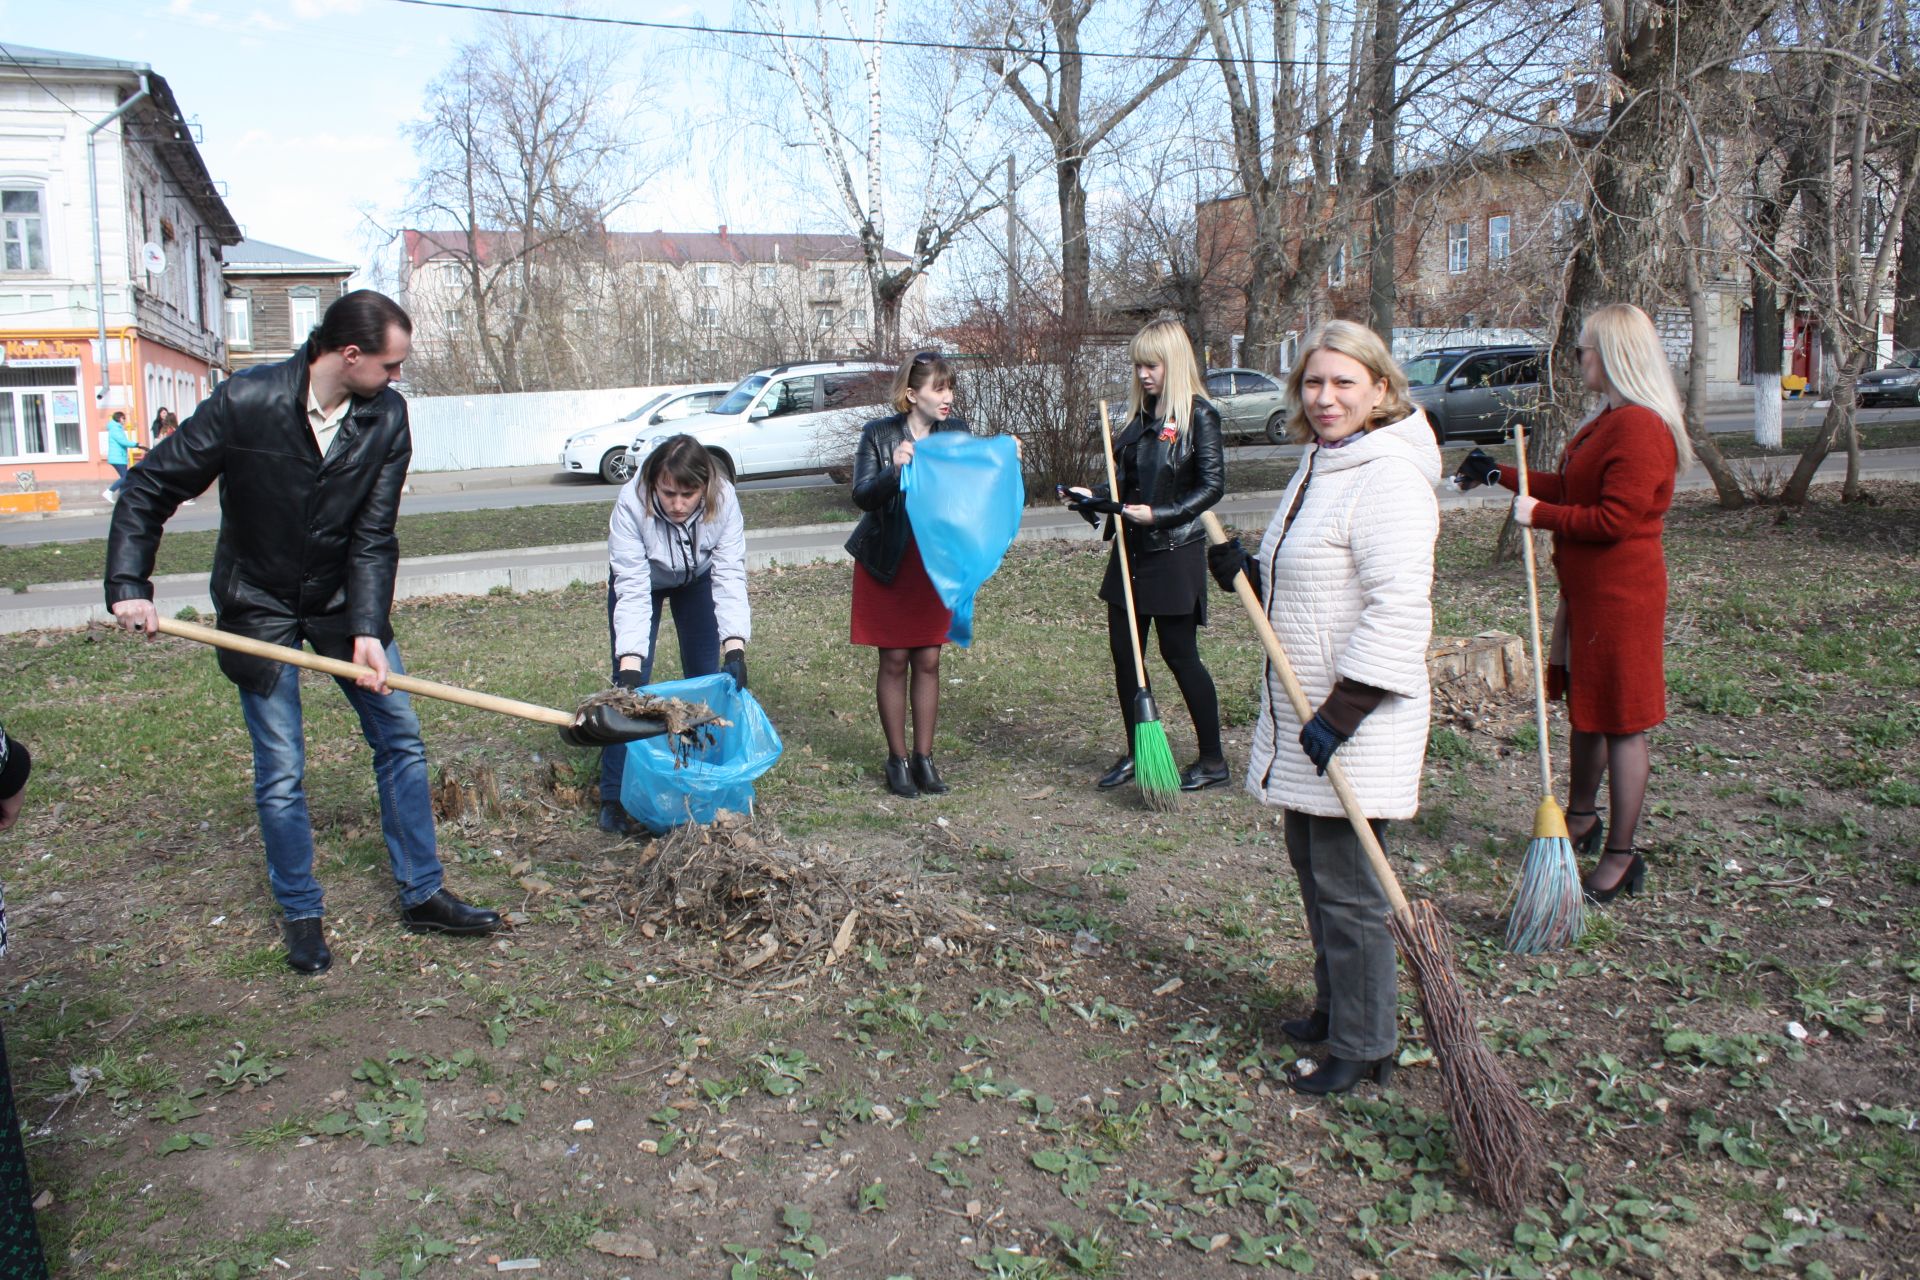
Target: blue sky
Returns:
[[303, 103]]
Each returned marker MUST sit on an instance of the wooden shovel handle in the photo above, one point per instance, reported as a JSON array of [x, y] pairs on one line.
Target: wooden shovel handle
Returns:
[[353, 671], [1336, 775], [1120, 546]]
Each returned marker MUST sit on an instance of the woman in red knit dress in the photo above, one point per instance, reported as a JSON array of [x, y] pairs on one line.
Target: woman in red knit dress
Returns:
[[1604, 508], [895, 607]]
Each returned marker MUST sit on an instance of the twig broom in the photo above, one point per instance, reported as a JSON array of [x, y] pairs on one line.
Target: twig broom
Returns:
[[1548, 905], [1496, 1134], [1153, 766]]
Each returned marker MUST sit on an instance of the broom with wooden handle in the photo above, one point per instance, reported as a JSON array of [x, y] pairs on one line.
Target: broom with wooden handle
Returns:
[[1497, 1134], [594, 725], [1153, 766], [1548, 905]]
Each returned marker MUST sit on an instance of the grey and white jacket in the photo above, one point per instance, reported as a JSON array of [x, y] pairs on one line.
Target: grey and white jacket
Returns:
[[650, 553]]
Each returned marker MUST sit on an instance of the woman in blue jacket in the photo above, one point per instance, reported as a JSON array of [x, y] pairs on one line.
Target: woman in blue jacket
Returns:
[[119, 440]]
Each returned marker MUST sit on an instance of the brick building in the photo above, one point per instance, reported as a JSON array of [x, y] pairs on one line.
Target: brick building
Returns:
[[161, 225], [274, 298]]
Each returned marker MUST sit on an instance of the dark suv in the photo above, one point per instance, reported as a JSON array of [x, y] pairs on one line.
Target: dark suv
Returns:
[[1476, 393]]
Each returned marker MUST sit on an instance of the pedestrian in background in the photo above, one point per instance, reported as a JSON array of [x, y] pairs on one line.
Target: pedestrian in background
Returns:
[[1171, 466], [1346, 573], [676, 540], [119, 440], [1606, 508], [896, 609]]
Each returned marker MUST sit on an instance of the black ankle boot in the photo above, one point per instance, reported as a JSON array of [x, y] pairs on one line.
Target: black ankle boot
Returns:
[[1118, 776], [900, 778], [925, 776], [307, 946], [1312, 1029], [1338, 1075]]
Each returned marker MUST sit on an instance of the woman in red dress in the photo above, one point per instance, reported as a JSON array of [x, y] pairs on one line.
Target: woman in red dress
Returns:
[[1604, 508], [895, 607]]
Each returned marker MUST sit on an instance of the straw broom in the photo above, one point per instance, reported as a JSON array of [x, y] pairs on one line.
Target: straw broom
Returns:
[[1497, 1135], [1548, 903], [1153, 766]]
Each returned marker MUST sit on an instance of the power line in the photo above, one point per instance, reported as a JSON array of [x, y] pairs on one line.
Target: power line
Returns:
[[36, 79], [891, 42]]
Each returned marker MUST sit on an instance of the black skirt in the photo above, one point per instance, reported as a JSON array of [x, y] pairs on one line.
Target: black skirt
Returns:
[[1166, 584]]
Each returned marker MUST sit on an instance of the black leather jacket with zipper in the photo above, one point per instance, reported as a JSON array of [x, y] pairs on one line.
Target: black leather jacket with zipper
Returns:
[[1178, 478], [307, 547], [880, 539]]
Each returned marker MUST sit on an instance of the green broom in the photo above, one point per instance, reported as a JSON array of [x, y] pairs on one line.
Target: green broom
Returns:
[[1153, 766], [1548, 905]]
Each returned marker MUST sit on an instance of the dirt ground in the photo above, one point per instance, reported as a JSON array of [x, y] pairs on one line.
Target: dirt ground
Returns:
[[1062, 1057]]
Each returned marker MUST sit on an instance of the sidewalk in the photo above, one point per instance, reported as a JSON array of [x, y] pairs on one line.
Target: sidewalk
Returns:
[[56, 605]]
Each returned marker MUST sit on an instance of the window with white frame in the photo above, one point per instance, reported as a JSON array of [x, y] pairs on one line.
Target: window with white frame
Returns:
[[1337, 269], [303, 313], [23, 229], [1289, 349], [766, 277], [823, 280], [1499, 237], [1565, 217], [857, 320], [1457, 253], [823, 317], [240, 320], [710, 275], [40, 413], [707, 317]]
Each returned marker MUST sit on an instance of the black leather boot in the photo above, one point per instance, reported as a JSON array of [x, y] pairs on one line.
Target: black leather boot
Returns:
[[306, 946], [925, 776], [445, 912], [1312, 1029], [1338, 1075], [1202, 774], [900, 778]]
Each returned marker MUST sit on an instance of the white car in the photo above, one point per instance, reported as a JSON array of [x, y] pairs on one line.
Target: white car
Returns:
[[787, 420], [607, 449]]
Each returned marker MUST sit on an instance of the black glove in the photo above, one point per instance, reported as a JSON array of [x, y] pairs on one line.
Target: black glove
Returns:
[[1476, 469], [1320, 740], [735, 665], [1225, 559], [1095, 506], [628, 679]]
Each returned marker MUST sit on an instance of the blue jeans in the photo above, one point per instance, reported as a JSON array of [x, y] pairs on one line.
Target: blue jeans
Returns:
[[280, 795], [120, 469], [698, 627]]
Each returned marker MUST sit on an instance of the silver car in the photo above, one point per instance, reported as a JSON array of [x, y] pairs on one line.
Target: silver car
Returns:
[[1250, 403]]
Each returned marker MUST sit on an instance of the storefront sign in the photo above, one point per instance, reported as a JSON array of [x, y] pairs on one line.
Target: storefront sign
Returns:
[[33, 351]]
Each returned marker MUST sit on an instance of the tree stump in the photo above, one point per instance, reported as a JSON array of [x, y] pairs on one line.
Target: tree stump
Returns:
[[1472, 676]]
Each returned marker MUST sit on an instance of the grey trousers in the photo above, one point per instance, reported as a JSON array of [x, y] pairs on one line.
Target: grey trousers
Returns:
[[1354, 963]]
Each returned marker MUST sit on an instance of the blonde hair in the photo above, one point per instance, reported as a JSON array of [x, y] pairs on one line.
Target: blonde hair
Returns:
[[1635, 367], [1164, 342], [915, 373], [1357, 342]]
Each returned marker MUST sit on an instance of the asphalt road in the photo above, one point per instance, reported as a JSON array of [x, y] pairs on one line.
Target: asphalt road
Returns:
[[535, 486]]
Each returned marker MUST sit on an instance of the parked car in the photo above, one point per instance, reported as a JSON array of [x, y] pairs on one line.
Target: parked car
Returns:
[[607, 449], [787, 420], [669, 413], [1250, 402], [1477, 393], [1898, 383]]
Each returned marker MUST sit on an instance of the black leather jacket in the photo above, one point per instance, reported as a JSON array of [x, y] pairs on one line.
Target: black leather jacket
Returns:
[[307, 548], [1179, 479], [880, 539]]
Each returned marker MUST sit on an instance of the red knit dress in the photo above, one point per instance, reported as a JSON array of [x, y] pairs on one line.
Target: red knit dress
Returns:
[[1604, 509]]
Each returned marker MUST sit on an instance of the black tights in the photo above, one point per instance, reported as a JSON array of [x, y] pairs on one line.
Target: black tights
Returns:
[[1180, 650], [1623, 759], [890, 690]]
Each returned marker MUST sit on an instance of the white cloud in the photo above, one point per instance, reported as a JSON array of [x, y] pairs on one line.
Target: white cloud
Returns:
[[309, 10]]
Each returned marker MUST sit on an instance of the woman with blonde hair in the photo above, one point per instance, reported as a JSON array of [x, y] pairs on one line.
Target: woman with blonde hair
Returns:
[[1605, 508], [1346, 573], [1171, 466]]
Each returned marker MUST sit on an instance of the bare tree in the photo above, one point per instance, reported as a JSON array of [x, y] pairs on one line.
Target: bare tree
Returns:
[[886, 124], [526, 151]]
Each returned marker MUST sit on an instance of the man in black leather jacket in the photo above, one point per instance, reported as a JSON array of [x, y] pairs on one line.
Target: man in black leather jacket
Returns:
[[311, 455]]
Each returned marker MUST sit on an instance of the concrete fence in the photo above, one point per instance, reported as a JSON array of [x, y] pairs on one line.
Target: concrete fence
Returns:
[[524, 429]]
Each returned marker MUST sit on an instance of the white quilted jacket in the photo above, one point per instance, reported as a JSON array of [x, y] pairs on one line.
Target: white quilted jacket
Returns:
[[1349, 592]]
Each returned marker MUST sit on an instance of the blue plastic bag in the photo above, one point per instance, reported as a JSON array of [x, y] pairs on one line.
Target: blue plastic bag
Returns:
[[665, 788], [965, 497]]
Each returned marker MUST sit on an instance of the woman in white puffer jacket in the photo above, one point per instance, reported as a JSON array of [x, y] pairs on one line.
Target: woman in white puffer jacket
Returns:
[[1346, 571]]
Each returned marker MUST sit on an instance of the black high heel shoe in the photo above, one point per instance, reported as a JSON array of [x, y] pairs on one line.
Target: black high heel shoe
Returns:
[[1338, 1075], [1589, 845], [1629, 882], [925, 776], [900, 778]]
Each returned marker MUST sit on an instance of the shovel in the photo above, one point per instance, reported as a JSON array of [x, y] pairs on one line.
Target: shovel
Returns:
[[598, 725]]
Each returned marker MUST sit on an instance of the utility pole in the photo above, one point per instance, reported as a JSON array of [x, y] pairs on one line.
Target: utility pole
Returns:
[[1013, 263]]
